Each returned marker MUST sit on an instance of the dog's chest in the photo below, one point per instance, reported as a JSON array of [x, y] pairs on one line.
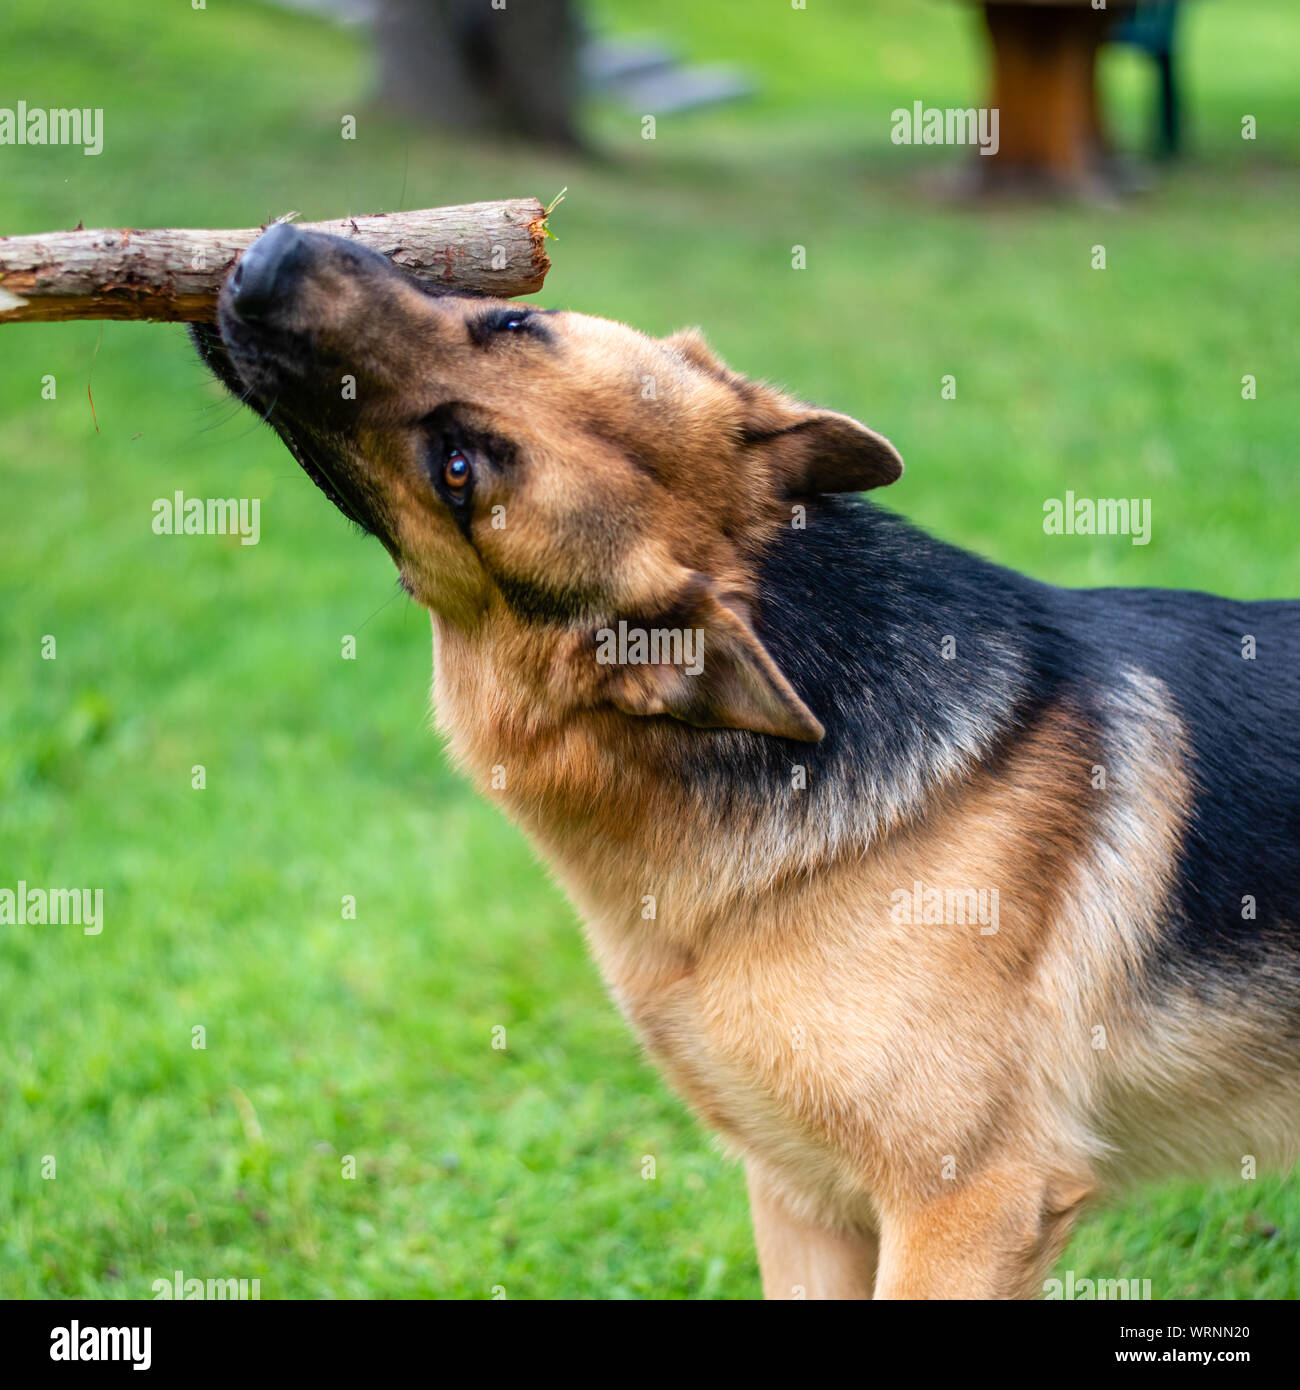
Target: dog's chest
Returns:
[[815, 1039], [734, 1052]]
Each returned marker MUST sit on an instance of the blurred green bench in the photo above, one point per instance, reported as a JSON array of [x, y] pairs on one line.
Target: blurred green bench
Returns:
[[1150, 27]]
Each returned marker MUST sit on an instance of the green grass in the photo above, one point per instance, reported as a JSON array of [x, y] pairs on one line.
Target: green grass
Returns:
[[327, 1037]]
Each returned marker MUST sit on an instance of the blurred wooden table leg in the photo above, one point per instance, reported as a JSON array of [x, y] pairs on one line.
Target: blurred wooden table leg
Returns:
[[1044, 87]]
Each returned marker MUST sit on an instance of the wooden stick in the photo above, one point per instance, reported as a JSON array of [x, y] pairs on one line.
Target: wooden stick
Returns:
[[175, 275]]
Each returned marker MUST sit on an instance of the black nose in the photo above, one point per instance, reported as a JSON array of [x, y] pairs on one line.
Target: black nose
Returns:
[[267, 270]]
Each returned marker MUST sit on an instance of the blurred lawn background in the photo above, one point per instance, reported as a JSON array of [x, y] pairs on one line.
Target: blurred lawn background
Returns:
[[327, 1037]]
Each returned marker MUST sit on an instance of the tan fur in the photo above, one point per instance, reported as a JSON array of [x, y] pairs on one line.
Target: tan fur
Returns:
[[877, 1072]]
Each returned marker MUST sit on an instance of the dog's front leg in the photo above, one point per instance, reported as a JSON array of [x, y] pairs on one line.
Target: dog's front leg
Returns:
[[994, 1236], [802, 1259]]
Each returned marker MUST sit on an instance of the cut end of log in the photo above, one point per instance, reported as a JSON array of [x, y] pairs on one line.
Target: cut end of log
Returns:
[[541, 259], [175, 275]]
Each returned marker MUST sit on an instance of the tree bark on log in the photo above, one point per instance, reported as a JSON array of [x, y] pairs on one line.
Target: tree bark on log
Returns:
[[175, 275]]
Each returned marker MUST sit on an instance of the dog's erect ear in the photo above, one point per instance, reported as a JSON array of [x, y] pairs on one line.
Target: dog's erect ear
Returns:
[[828, 452], [813, 450], [718, 674], [690, 342]]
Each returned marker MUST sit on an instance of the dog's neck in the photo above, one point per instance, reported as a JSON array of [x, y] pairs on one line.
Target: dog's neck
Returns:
[[875, 626]]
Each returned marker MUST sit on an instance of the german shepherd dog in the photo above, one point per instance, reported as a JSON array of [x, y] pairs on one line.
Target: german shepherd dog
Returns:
[[948, 898]]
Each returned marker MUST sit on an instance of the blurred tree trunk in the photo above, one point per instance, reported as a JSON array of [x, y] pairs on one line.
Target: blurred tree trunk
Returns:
[[471, 66]]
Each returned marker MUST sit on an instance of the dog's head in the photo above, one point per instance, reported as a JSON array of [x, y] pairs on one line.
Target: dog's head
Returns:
[[543, 470]]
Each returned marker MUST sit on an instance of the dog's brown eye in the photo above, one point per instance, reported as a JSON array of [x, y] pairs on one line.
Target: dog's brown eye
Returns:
[[456, 470]]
